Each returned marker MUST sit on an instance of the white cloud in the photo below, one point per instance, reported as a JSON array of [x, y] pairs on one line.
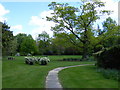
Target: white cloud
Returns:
[[46, 13], [110, 5], [16, 29], [3, 12], [41, 24]]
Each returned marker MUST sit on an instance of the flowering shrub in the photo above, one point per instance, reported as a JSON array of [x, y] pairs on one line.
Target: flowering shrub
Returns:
[[29, 60], [44, 60], [33, 60]]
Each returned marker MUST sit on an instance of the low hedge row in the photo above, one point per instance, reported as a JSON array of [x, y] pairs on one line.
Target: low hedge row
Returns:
[[109, 58], [70, 59]]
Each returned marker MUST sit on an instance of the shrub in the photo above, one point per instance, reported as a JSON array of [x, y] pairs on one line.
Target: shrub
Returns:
[[110, 73], [109, 58], [33, 60], [29, 60], [44, 60]]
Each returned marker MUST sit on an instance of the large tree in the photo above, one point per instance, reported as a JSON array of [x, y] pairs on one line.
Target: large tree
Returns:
[[20, 37], [43, 41], [28, 45], [7, 38], [109, 35], [77, 21]]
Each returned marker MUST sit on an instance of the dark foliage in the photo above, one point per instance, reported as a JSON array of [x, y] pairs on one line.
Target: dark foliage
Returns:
[[109, 58], [11, 58], [7, 37], [110, 73], [31, 63], [43, 62], [71, 59]]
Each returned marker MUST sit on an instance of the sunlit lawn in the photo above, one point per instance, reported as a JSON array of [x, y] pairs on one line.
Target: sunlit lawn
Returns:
[[17, 74], [85, 77], [0, 73]]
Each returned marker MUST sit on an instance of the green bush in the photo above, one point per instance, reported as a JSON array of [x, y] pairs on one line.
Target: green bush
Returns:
[[110, 73], [43, 62], [109, 58]]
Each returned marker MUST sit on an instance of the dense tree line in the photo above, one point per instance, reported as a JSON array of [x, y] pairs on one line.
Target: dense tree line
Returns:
[[60, 43], [73, 34]]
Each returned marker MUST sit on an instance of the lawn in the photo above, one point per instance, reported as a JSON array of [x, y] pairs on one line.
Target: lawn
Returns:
[[85, 77], [0, 73], [16, 74]]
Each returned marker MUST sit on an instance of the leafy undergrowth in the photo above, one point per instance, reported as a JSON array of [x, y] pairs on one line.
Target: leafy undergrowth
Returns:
[[110, 73], [85, 77], [17, 74]]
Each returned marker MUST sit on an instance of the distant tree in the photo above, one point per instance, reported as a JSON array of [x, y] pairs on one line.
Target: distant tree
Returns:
[[111, 32], [43, 41], [65, 44], [77, 21], [28, 45], [13, 47], [20, 37], [109, 35], [43, 36], [7, 38]]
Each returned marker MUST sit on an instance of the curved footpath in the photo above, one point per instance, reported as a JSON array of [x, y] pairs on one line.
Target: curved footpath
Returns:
[[52, 80]]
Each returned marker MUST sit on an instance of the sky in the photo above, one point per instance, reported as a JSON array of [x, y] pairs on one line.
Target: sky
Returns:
[[29, 17]]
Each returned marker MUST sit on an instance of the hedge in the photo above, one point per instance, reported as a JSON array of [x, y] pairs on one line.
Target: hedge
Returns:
[[109, 58]]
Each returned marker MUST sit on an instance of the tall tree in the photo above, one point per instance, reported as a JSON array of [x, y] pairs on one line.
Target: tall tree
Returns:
[[7, 37], [110, 32], [77, 21], [43, 41], [13, 47], [109, 35], [28, 45], [20, 37]]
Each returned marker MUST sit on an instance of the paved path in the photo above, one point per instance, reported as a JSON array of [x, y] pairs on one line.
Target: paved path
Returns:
[[52, 80]]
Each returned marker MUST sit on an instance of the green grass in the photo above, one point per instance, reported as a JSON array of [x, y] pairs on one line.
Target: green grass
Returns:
[[85, 77], [0, 74], [16, 74]]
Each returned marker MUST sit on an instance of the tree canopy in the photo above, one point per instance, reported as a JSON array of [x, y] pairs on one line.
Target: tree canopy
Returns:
[[77, 21]]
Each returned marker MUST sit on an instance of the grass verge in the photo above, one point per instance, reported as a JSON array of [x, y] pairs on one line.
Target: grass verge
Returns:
[[85, 77]]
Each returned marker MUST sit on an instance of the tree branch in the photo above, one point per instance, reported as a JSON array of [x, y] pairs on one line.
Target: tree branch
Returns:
[[73, 42]]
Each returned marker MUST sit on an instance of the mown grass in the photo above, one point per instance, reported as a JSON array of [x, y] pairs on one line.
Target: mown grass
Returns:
[[0, 73], [17, 74], [85, 77]]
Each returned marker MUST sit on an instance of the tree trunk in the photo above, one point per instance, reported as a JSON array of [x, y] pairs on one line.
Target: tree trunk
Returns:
[[86, 43], [85, 55]]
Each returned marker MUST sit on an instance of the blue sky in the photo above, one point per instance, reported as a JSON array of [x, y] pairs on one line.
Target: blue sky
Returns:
[[26, 17], [20, 13]]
